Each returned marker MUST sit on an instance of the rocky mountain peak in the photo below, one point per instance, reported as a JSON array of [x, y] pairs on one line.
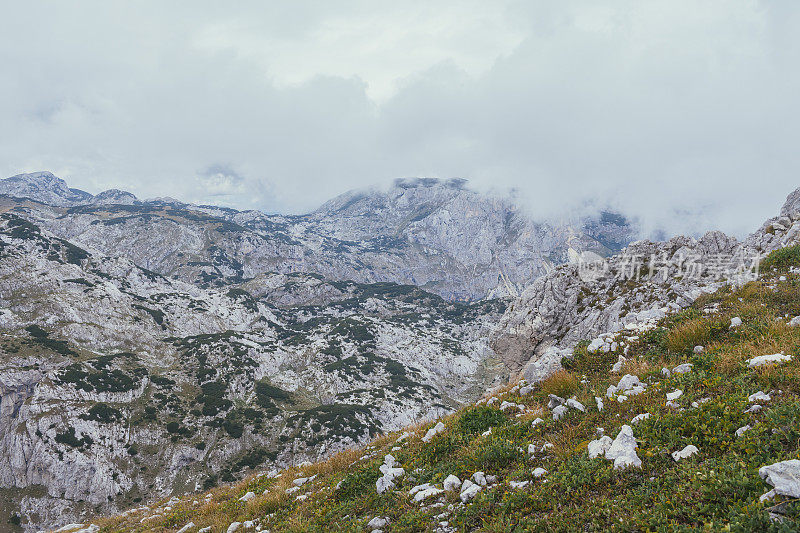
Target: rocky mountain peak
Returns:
[[792, 205], [47, 188], [165, 200], [413, 183], [43, 187], [115, 197], [490, 240], [405, 194]]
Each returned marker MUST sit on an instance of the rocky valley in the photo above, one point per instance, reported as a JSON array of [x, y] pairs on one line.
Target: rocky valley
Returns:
[[153, 349]]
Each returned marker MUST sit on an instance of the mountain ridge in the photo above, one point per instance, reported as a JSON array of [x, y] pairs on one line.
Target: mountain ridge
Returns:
[[210, 369], [436, 234]]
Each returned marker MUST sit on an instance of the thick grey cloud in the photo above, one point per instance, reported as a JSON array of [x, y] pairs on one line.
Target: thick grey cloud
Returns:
[[682, 112]]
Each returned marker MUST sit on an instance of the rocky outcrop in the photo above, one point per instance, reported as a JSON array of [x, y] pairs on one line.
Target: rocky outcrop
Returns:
[[487, 244], [780, 231], [43, 187], [114, 197], [642, 283]]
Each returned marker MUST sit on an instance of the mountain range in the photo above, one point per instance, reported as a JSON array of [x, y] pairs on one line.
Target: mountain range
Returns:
[[153, 347], [438, 235], [129, 379]]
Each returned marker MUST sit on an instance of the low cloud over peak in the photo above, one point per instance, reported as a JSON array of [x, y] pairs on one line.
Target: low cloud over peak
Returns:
[[683, 114]]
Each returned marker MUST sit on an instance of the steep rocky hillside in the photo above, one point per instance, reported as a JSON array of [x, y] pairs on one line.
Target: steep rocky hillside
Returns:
[[118, 385], [438, 235], [694, 430], [643, 283]]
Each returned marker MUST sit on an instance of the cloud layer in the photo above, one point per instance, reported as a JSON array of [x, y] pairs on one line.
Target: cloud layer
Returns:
[[682, 112]]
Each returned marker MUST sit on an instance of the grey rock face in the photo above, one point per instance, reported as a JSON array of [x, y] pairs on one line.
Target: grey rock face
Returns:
[[43, 187], [784, 476], [568, 304], [487, 244], [117, 383], [780, 231]]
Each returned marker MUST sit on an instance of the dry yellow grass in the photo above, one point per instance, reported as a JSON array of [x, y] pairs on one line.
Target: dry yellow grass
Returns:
[[563, 383], [688, 335], [750, 309], [778, 337], [336, 463], [751, 291], [639, 366]]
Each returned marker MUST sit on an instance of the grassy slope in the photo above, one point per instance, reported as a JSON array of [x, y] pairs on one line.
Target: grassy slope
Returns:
[[718, 489]]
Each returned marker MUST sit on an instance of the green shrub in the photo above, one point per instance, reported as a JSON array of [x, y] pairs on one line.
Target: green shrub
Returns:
[[69, 438], [266, 392], [252, 459], [492, 455], [102, 412], [233, 426], [357, 483], [42, 338], [212, 397], [711, 427], [161, 381], [782, 259], [36, 332], [478, 419]]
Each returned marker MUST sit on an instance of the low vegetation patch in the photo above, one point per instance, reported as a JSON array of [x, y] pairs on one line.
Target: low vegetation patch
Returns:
[[103, 413], [781, 259]]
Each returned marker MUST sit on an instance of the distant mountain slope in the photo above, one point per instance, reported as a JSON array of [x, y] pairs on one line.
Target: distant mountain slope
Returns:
[[43, 187], [154, 347], [118, 384], [435, 234]]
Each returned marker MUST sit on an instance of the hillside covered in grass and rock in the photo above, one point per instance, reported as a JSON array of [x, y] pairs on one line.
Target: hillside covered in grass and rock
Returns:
[[697, 429], [124, 387]]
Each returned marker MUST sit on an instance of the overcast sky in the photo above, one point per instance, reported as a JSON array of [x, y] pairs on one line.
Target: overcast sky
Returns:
[[683, 112]]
